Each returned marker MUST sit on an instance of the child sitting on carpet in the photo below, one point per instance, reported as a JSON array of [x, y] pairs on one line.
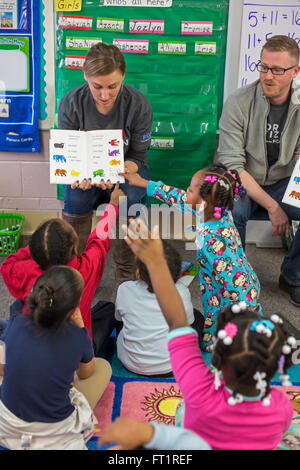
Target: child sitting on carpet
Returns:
[[224, 271], [39, 407], [142, 342], [239, 411], [55, 242]]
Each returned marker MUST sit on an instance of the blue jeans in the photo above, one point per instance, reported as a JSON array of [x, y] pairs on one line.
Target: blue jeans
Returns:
[[242, 211], [78, 202]]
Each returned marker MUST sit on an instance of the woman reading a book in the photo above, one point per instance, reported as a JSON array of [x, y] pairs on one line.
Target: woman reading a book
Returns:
[[105, 102]]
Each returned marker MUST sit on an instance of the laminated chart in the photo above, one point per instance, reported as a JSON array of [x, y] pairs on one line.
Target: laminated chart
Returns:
[[19, 75], [175, 55], [262, 20]]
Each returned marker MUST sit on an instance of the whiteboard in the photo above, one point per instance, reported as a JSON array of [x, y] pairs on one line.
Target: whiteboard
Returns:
[[261, 20]]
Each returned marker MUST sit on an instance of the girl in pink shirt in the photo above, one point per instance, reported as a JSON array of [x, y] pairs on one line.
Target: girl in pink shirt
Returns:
[[239, 411]]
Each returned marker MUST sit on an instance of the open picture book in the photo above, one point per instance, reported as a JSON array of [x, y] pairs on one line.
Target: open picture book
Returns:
[[292, 193], [75, 155]]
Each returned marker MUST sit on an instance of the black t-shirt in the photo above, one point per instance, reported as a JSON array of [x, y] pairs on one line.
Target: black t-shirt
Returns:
[[132, 112], [275, 125]]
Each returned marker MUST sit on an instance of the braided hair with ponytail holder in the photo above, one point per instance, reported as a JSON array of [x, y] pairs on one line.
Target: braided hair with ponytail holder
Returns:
[[224, 186], [253, 348]]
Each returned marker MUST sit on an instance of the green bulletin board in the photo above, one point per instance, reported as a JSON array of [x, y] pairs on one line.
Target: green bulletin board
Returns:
[[175, 55]]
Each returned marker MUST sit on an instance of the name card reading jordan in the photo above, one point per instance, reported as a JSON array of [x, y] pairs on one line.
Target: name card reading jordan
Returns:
[[146, 26], [138, 46], [196, 27]]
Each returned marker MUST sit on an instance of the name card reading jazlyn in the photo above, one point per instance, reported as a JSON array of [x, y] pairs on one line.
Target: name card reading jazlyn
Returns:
[[74, 62], [196, 27], [81, 43], [110, 24], [205, 48], [139, 46], [137, 3], [171, 47], [146, 26], [75, 22]]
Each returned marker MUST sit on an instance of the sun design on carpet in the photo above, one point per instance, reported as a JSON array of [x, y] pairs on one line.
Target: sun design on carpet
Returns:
[[161, 405]]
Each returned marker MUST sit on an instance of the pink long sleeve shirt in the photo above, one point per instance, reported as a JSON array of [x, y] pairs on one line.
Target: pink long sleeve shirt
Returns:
[[245, 426]]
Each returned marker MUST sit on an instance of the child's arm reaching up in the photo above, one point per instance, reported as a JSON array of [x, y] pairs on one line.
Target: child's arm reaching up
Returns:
[[148, 248]]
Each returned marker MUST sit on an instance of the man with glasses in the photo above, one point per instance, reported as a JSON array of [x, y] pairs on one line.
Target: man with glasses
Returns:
[[260, 138]]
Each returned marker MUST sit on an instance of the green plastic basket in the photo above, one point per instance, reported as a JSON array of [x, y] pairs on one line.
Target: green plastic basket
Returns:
[[10, 232]]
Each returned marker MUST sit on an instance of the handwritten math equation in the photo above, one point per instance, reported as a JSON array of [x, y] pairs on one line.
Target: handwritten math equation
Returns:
[[260, 22]]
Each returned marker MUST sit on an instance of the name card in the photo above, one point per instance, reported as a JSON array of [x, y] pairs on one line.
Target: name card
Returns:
[[171, 47], [137, 46], [196, 27], [205, 48], [74, 62], [110, 24], [81, 43], [75, 22], [146, 26]]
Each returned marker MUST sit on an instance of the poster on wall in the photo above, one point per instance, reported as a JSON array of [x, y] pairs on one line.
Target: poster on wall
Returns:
[[262, 20], [19, 76]]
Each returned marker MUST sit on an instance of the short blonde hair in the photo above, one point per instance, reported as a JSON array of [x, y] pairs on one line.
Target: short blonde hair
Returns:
[[103, 59]]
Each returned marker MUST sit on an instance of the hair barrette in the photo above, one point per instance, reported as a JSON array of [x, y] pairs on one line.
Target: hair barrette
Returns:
[[51, 302], [231, 174], [234, 400], [238, 307], [266, 401], [217, 212], [211, 179], [228, 333], [276, 318], [264, 327], [259, 377], [222, 183], [285, 380], [291, 343]]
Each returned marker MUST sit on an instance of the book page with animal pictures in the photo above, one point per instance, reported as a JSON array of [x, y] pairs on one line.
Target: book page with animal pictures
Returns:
[[75, 155], [106, 156], [292, 193]]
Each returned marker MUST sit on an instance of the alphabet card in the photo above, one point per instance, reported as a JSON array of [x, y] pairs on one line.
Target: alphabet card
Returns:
[[292, 193], [75, 155]]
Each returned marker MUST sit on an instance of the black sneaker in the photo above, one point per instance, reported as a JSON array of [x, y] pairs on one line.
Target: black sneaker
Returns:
[[293, 291]]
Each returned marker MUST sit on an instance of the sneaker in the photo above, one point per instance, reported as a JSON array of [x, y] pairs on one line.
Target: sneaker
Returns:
[[293, 291]]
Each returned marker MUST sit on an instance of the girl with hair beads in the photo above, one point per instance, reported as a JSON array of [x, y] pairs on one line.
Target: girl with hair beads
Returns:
[[210, 196], [55, 242], [239, 411], [39, 407]]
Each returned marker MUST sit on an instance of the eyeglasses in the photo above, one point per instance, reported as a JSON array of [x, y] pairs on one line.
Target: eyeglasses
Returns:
[[274, 70]]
